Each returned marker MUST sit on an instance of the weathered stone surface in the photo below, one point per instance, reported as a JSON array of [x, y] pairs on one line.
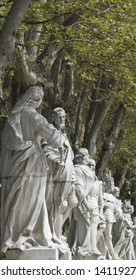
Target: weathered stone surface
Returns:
[[33, 254], [24, 219], [65, 256]]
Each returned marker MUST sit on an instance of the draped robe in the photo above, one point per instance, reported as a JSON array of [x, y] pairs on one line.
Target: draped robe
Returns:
[[24, 217]]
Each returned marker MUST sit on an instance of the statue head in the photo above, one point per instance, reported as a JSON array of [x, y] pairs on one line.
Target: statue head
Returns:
[[127, 206], [59, 117], [116, 192], [92, 164], [32, 97], [85, 158], [112, 184], [109, 181]]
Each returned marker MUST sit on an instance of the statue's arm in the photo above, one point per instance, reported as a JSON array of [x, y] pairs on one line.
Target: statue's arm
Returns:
[[46, 130], [101, 201]]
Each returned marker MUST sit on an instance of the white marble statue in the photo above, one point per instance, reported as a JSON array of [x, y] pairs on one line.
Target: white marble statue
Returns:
[[134, 238], [117, 231], [24, 218], [60, 195], [0, 211], [96, 204], [123, 228], [127, 250], [86, 216], [110, 211]]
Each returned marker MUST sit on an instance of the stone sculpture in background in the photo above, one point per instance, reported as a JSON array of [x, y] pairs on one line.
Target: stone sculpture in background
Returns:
[[127, 249], [134, 238], [24, 219], [117, 229], [83, 231], [60, 194], [0, 211], [123, 228], [110, 211], [97, 220]]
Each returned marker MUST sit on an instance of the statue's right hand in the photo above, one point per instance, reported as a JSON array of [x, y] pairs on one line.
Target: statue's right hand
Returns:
[[56, 162]]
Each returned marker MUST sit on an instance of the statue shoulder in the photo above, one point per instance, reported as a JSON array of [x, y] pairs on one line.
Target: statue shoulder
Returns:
[[33, 116]]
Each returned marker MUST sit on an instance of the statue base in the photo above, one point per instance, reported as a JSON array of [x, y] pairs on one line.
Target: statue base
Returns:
[[78, 256], [36, 254], [32, 254], [65, 256]]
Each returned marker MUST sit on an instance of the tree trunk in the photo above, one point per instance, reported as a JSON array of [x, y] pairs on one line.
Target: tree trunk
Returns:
[[55, 76], [91, 114], [77, 137], [97, 112], [68, 82], [47, 69], [120, 173], [111, 140], [7, 37], [33, 35]]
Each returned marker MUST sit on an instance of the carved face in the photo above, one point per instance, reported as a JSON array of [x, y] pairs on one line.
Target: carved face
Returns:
[[92, 165], [36, 96], [60, 119], [39, 102], [116, 192], [86, 157]]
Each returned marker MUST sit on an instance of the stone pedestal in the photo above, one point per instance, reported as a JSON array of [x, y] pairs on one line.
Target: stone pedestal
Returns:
[[65, 256], [87, 257], [33, 254]]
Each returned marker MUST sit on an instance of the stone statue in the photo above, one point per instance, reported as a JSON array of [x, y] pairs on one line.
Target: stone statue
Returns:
[[0, 211], [110, 210], [117, 229], [134, 238], [96, 204], [83, 232], [24, 174], [60, 194], [127, 249], [123, 228]]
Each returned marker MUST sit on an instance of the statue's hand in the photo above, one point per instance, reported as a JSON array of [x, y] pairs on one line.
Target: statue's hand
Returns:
[[56, 163], [59, 165]]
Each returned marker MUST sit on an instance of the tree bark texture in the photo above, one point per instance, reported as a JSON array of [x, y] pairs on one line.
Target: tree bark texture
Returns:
[[111, 140], [99, 107], [7, 37]]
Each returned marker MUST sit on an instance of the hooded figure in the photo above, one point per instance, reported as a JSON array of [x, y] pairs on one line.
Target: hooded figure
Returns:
[[24, 220]]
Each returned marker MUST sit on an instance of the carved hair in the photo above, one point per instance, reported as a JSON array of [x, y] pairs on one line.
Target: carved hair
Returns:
[[58, 111], [83, 151], [80, 154]]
